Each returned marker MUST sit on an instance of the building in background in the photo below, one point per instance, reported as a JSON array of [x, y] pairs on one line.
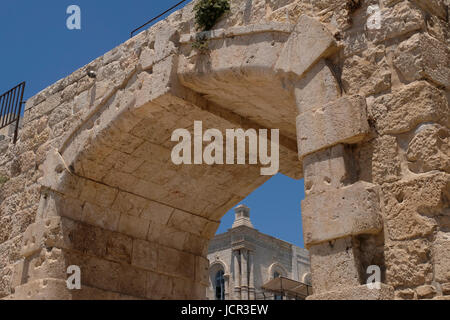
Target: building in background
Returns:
[[246, 264]]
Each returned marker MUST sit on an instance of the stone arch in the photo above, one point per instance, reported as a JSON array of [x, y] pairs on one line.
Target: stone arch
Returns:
[[215, 267], [277, 267], [110, 201], [306, 278], [110, 177]]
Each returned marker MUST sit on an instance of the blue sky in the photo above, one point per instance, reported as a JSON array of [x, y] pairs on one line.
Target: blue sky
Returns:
[[37, 47]]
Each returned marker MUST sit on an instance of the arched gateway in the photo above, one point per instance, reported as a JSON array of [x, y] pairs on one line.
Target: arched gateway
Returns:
[[363, 116]]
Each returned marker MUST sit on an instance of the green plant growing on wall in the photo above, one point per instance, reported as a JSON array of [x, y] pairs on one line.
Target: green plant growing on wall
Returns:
[[207, 12], [3, 180], [201, 44]]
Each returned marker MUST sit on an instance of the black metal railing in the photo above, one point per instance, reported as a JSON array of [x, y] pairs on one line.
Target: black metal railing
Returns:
[[11, 107], [157, 17]]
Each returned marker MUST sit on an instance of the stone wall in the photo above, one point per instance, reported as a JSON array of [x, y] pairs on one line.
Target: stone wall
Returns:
[[90, 180]]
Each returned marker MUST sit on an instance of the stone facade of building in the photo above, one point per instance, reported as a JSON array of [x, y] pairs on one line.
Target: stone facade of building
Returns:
[[360, 92], [262, 256]]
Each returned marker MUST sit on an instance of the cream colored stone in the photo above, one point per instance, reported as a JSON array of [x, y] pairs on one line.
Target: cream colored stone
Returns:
[[328, 169], [367, 75], [412, 208], [408, 264], [334, 266], [397, 20], [441, 257], [342, 121], [429, 149], [426, 292], [404, 109], [435, 7], [320, 80], [309, 41], [357, 293], [423, 57], [349, 211]]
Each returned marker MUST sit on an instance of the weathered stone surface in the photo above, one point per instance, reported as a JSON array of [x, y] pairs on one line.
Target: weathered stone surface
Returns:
[[435, 7], [446, 288], [349, 211], [426, 292], [408, 263], [320, 80], [406, 108], [423, 57], [342, 121], [309, 41], [406, 294], [367, 75], [334, 266], [413, 208], [329, 169], [357, 293], [397, 20], [441, 257], [384, 164], [429, 149]]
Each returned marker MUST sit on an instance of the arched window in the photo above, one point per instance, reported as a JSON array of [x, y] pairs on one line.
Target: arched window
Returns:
[[220, 285], [277, 275]]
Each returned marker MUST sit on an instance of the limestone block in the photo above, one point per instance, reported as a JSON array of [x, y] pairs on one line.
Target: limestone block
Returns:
[[404, 109], [357, 293], [328, 169], [320, 80], [175, 262], [426, 292], [47, 264], [145, 255], [349, 211], [132, 281], [201, 270], [441, 257], [423, 57], [166, 41], [429, 149], [367, 74], [188, 222], [147, 59], [334, 266], [435, 7], [119, 247], [96, 272], [342, 121], [6, 275], [159, 287], [130, 204], [408, 263], [406, 294], [43, 289], [396, 21], [446, 288], [414, 208], [133, 226], [439, 29], [309, 41], [379, 160], [157, 212], [44, 233], [106, 218]]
